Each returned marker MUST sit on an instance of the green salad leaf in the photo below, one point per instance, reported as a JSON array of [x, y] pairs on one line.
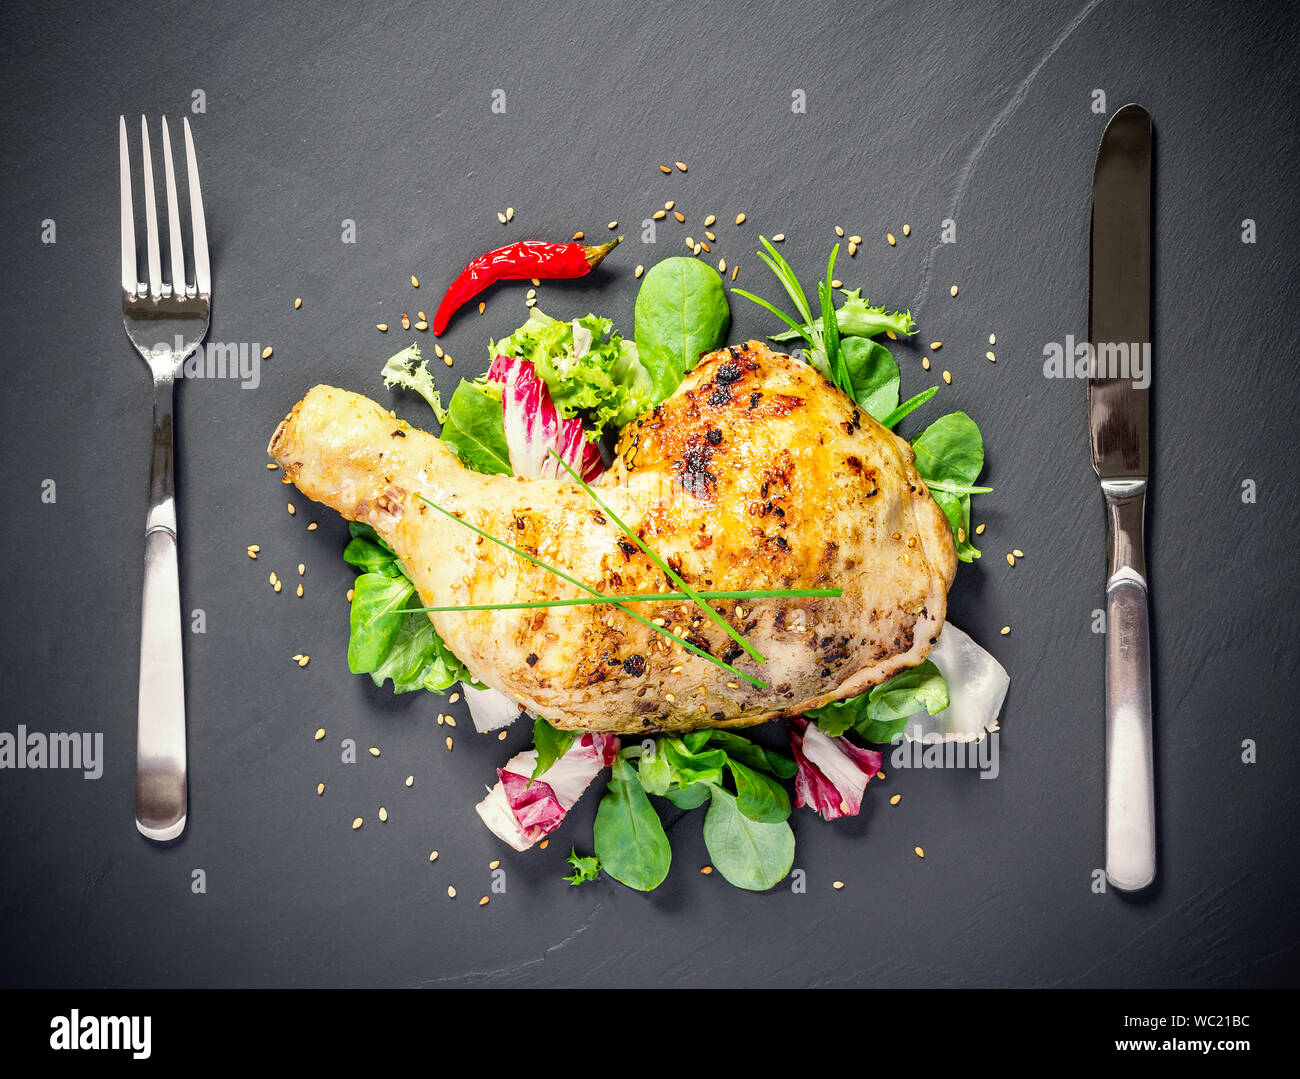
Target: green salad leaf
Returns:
[[409, 370], [629, 838], [951, 451], [752, 854], [881, 714], [584, 869], [857, 318], [475, 429], [551, 745], [681, 313]]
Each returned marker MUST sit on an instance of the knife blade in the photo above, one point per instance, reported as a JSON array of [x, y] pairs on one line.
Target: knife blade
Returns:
[[1119, 333]]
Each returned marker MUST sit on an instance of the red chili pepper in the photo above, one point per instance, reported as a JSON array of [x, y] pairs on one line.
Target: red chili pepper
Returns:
[[517, 262]]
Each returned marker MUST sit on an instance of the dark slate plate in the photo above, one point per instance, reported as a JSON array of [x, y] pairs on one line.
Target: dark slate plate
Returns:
[[914, 114]]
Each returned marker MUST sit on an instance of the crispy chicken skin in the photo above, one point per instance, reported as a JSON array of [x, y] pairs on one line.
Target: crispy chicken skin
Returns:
[[755, 474]]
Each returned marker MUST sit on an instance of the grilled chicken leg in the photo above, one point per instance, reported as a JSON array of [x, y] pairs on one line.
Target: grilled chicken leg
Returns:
[[755, 474]]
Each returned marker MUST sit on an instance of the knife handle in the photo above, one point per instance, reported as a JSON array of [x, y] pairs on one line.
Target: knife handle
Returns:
[[1130, 771]]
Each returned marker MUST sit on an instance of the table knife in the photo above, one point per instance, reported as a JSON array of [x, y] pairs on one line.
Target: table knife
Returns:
[[1119, 332]]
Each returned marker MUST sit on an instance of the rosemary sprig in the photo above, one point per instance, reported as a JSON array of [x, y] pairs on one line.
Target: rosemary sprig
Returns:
[[643, 597], [673, 575], [600, 595]]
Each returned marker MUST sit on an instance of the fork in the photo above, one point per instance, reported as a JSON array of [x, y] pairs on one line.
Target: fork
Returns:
[[150, 309]]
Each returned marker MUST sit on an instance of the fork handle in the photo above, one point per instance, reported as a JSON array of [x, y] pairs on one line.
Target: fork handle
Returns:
[[160, 778]]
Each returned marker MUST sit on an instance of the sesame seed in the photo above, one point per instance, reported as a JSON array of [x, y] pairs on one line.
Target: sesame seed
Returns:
[[659, 215], [907, 230], [853, 249], [482, 306], [449, 743], [447, 360], [837, 283], [433, 855], [304, 661], [890, 237], [383, 814], [891, 335], [709, 220], [494, 864], [382, 327], [531, 293], [543, 844], [320, 788], [993, 339], [410, 781], [374, 751], [919, 852], [734, 270], [300, 591], [740, 219], [681, 217], [451, 892], [839, 231], [292, 511], [961, 534], [612, 225], [665, 170], [272, 464], [855, 239], [437, 350], [711, 238], [320, 731], [979, 529], [925, 363], [297, 303], [639, 271], [266, 352], [779, 238], [935, 346], [501, 737], [991, 357], [415, 281], [1011, 559], [837, 884], [947, 377], [690, 241], [952, 291], [579, 234], [451, 721], [895, 799], [301, 569], [483, 902], [422, 324], [681, 166], [697, 249], [311, 527], [351, 592], [1005, 630], [669, 204], [706, 869], [880, 775], [510, 213], [357, 823], [453, 698], [1018, 552], [279, 585]]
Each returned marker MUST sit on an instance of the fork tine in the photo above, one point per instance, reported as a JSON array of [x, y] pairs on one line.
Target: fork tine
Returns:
[[173, 215], [130, 271], [151, 215], [202, 273]]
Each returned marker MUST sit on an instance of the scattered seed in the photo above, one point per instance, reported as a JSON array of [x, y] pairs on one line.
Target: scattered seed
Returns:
[[670, 698], [579, 235], [278, 585], [890, 237], [837, 884], [779, 238], [449, 743], [383, 814], [320, 731], [501, 217], [320, 788], [839, 231], [706, 869], [374, 751], [300, 591], [979, 529], [272, 464], [639, 271], [451, 892], [740, 219], [837, 283], [410, 781], [433, 855], [907, 230], [919, 852], [952, 291], [543, 844], [304, 661], [501, 737], [451, 721], [1018, 552], [415, 281], [1005, 630], [670, 204], [991, 358], [422, 325], [665, 170], [891, 335], [453, 698], [697, 249], [494, 864], [993, 339], [266, 352], [853, 249], [895, 799], [301, 569], [1011, 559], [612, 225], [297, 303], [437, 350], [382, 327], [447, 360], [483, 902], [681, 166], [311, 527], [531, 293], [710, 220], [935, 346], [722, 265], [947, 377], [961, 534], [690, 241], [482, 306], [659, 215], [357, 823], [351, 593], [710, 237], [510, 213], [681, 217], [734, 270], [925, 363], [292, 511]]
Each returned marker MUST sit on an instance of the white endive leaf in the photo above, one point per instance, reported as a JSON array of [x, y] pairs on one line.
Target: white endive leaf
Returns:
[[490, 709], [977, 686]]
